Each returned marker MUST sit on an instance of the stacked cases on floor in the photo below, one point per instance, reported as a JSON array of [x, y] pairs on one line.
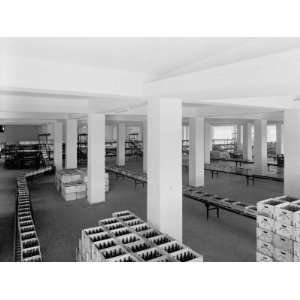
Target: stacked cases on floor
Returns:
[[72, 183], [278, 229], [27, 246], [127, 238]]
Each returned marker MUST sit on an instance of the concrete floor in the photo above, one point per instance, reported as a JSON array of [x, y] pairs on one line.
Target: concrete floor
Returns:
[[59, 223]]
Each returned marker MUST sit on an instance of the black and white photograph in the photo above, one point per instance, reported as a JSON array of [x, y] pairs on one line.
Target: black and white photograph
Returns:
[[149, 149]]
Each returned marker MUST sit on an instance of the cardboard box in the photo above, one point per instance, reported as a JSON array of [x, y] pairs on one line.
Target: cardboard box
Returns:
[[69, 196], [263, 258], [264, 248], [265, 222], [81, 195], [282, 243]]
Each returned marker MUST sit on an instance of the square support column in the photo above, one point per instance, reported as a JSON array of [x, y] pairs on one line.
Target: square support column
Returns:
[[208, 142], [291, 150], [71, 144], [239, 137], [121, 151], [247, 141], [58, 141], [260, 147], [279, 139], [164, 188], [115, 132], [145, 137], [196, 153], [96, 158]]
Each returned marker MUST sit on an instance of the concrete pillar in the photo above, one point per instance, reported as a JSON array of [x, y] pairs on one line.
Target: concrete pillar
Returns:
[[58, 139], [121, 151], [247, 141], [279, 138], [164, 188], [145, 147], [260, 146], [115, 132], [291, 135], [71, 144], [207, 142], [239, 137], [196, 154], [96, 158]]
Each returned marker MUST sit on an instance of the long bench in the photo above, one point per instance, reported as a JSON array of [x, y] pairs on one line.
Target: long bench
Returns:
[[215, 170]]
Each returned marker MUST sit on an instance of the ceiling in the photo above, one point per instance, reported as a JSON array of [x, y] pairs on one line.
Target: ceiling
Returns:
[[157, 57]]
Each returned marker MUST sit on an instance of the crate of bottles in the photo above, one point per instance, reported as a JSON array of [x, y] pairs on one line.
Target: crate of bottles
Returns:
[[187, 255], [31, 254], [121, 239]]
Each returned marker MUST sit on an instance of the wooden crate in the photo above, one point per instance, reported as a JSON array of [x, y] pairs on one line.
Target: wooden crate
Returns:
[[264, 248], [282, 256], [260, 257], [267, 207], [284, 230], [282, 243], [265, 222], [264, 235], [287, 213]]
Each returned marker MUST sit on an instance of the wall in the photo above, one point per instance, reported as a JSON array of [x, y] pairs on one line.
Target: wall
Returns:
[[15, 133]]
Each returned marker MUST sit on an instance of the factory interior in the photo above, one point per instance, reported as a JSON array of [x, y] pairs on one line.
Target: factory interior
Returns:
[[149, 149]]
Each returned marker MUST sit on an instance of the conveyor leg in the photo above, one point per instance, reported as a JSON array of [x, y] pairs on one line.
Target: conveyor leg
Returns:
[[207, 211]]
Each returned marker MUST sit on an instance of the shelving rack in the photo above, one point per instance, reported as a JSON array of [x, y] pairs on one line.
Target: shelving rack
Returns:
[[23, 155], [46, 144], [82, 148]]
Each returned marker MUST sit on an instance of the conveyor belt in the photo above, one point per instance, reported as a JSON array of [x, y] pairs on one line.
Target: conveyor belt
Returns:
[[26, 243], [211, 202]]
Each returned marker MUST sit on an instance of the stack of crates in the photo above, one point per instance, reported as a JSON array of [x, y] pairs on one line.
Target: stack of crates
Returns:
[[127, 238], [278, 229], [27, 245], [72, 183]]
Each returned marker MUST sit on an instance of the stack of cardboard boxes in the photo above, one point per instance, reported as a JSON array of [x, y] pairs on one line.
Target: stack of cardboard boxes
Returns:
[[72, 183], [278, 229]]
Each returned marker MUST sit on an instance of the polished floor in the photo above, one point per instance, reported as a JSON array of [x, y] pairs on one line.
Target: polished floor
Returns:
[[59, 223]]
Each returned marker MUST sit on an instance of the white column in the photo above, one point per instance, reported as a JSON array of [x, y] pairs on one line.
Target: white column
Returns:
[[96, 158], [196, 154], [291, 135], [239, 137], [121, 144], [145, 136], [207, 142], [164, 188], [279, 139], [58, 137], [247, 141], [260, 146], [71, 144], [115, 132]]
